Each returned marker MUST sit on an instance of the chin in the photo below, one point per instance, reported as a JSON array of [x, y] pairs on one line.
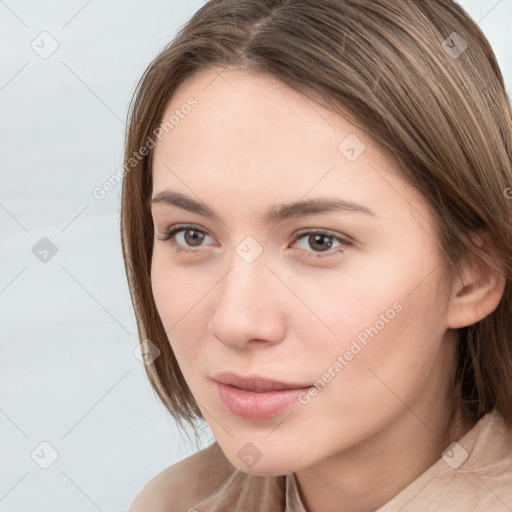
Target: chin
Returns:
[[249, 459]]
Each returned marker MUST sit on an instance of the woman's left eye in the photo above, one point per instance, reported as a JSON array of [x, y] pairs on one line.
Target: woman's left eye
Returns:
[[324, 242], [320, 240]]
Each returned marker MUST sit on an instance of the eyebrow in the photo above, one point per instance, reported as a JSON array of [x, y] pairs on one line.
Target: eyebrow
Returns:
[[276, 213]]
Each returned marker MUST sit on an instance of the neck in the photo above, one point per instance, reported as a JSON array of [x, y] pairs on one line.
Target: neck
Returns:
[[370, 474]]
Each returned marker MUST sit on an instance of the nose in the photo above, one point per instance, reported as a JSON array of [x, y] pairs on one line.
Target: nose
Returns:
[[248, 306]]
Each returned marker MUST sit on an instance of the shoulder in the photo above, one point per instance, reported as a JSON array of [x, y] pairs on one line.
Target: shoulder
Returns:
[[180, 486]]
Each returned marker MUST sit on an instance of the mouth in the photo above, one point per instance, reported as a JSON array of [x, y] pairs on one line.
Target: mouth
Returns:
[[256, 398]]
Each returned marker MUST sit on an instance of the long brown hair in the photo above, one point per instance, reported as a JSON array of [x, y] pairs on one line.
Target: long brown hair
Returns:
[[418, 76]]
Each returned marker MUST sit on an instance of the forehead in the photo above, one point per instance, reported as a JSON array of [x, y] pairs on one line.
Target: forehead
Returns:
[[255, 118], [252, 139], [244, 107]]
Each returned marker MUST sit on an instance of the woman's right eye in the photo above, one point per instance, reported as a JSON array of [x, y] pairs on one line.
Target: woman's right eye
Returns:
[[188, 234]]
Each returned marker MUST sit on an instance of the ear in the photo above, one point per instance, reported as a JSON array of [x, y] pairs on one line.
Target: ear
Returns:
[[478, 288]]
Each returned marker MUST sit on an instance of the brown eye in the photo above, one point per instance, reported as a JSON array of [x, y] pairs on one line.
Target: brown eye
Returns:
[[193, 237], [182, 237], [317, 242], [320, 242]]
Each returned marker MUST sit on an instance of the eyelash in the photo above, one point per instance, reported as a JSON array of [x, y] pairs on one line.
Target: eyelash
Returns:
[[171, 232]]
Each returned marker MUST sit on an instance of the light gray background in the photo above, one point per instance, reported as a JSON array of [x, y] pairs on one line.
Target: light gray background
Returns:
[[69, 376]]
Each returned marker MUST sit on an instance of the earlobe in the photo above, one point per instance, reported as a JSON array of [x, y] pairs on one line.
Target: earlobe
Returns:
[[477, 289]]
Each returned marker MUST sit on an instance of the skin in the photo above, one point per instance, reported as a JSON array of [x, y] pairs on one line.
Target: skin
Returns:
[[252, 143]]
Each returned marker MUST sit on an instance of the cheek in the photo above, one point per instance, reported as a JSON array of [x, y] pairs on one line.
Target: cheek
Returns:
[[385, 330], [390, 355], [363, 304], [179, 294], [161, 285], [175, 289]]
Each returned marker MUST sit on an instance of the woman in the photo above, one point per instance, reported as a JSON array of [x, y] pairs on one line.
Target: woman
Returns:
[[316, 226]]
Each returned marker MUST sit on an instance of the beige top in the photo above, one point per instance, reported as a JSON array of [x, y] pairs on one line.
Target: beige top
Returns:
[[474, 474]]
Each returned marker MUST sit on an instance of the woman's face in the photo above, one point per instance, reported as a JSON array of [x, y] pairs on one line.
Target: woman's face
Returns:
[[346, 305]]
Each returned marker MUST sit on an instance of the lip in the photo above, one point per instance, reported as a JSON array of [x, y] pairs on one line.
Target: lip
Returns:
[[256, 398]]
